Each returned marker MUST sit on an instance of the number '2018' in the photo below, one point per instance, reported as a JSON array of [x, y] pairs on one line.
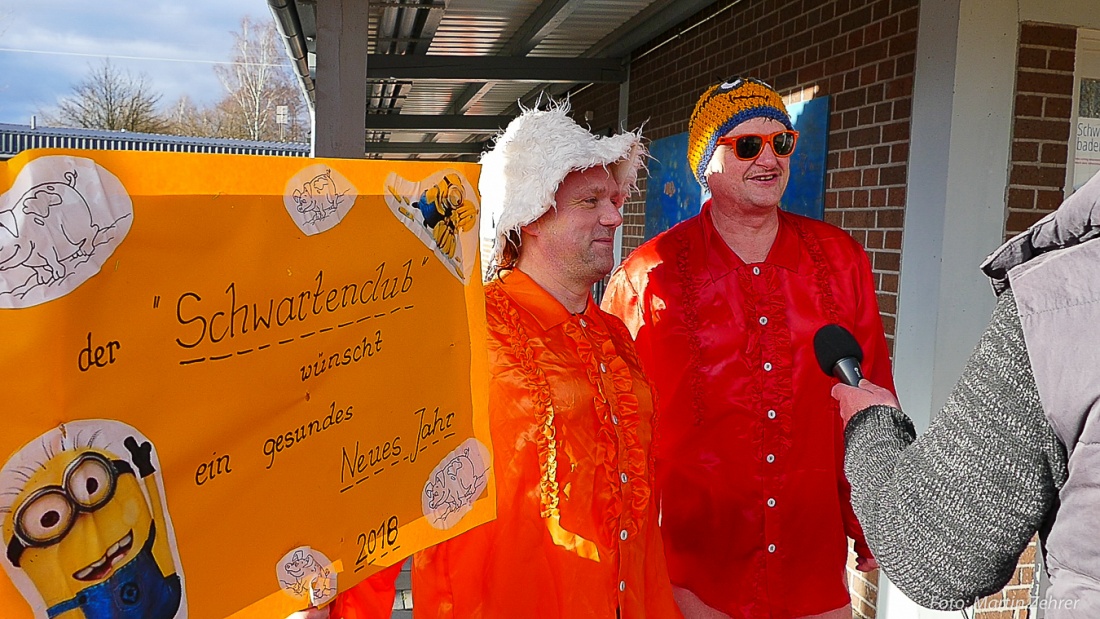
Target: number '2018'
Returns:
[[385, 536]]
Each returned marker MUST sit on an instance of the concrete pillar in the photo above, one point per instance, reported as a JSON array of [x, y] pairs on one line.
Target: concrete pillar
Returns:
[[339, 123], [955, 200]]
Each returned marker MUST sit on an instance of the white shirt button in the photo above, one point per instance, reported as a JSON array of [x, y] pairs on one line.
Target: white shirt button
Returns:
[[771, 547], [614, 420], [623, 477], [583, 323], [763, 320], [622, 535], [771, 502], [603, 368], [771, 458], [756, 270], [767, 367], [622, 585], [771, 414]]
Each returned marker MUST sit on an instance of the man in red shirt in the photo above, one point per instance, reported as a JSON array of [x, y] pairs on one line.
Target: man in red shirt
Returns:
[[724, 307]]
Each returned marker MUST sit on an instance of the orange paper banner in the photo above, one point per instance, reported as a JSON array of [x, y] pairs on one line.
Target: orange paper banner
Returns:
[[233, 384]]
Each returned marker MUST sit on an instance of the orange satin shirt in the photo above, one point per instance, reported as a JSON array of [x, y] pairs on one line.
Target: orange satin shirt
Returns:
[[750, 462], [576, 532]]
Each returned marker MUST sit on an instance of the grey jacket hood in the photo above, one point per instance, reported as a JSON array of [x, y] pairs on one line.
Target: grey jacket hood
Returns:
[[1077, 220]]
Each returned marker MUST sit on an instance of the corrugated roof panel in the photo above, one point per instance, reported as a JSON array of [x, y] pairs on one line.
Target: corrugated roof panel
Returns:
[[514, 12], [503, 96], [474, 28], [431, 97], [588, 24], [477, 27]]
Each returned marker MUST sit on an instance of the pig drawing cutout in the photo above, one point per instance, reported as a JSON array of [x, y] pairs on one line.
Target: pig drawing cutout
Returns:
[[59, 222], [318, 197], [58, 228], [307, 574], [455, 484]]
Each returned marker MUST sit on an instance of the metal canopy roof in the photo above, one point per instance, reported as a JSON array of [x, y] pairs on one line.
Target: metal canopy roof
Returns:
[[444, 75]]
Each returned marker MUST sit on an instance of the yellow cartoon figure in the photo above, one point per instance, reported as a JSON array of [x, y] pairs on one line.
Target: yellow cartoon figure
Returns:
[[82, 531], [445, 211]]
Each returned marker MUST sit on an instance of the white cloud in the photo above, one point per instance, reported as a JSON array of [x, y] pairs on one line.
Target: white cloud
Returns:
[[46, 46]]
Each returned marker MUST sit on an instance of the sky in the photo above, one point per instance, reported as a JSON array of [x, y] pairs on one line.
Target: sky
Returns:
[[48, 46]]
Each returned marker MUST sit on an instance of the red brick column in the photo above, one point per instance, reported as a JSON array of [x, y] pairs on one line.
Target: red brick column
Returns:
[[1042, 127]]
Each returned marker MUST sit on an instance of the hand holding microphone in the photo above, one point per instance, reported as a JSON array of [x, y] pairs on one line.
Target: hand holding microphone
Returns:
[[838, 354]]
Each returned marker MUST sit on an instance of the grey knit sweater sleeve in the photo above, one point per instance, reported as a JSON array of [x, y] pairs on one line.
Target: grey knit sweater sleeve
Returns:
[[949, 514]]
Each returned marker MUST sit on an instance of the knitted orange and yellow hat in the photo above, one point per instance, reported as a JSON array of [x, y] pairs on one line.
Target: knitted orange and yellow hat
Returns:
[[721, 108]]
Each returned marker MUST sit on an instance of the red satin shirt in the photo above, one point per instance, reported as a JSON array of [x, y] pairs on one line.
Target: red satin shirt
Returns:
[[576, 532], [750, 449]]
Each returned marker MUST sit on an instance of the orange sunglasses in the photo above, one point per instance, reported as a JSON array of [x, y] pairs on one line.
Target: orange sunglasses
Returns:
[[748, 147]]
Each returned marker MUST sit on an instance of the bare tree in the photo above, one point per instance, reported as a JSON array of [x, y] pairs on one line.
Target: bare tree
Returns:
[[259, 82], [110, 98], [185, 117]]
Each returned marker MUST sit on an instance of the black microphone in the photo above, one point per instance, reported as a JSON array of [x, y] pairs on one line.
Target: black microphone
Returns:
[[838, 354]]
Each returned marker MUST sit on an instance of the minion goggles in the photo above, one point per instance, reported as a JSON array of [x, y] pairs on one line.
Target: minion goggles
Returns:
[[48, 514]]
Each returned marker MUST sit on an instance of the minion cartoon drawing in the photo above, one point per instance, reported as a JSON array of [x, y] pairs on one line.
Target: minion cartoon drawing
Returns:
[[441, 209], [88, 529]]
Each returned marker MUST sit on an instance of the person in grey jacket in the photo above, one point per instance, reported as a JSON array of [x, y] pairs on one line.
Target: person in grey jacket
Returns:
[[1016, 448]]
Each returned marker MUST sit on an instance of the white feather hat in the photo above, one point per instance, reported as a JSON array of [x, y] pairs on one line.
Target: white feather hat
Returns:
[[537, 150]]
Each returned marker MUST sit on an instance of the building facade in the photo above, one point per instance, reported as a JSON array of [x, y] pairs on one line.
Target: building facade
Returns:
[[953, 125]]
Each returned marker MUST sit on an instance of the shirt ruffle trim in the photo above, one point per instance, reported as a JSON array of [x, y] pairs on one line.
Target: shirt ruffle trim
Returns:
[[626, 448], [689, 290], [822, 273], [629, 353], [546, 440]]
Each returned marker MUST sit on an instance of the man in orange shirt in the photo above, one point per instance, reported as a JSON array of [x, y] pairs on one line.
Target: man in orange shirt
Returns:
[[571, 414], [724, 307]]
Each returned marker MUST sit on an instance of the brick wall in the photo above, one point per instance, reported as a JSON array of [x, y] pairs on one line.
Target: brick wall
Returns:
[[1042, 127], [1014, 601]]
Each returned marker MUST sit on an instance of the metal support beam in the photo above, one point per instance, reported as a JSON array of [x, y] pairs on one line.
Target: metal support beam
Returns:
[[529, 35], [495, 68], [341, 105], [624, 111], [417, 148], [470, 96], [659, 18], [546, 18], [413, 4], [436, 124]]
